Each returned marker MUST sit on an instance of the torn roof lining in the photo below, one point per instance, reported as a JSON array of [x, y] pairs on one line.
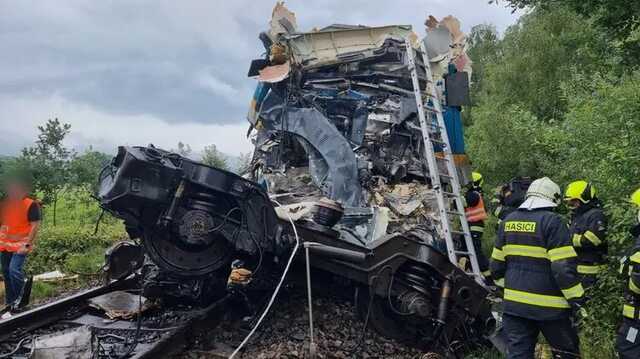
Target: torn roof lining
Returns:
[[325, 47]]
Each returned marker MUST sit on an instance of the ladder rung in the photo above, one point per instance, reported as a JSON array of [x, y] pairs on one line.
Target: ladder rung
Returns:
[[435, 133], [462, 252]]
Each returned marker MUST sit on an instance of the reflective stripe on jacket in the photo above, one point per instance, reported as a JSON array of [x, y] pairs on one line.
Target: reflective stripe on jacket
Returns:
[[15, 226], [631, 307], [588, 231], [534, 261], [476, 213]]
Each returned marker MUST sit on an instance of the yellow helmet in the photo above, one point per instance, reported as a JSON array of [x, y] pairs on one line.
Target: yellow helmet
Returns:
[[635, 197], [580, 190], [477, 179]]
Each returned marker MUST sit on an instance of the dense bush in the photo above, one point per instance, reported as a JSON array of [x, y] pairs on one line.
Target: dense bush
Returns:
[[56, 244], [555, 101]]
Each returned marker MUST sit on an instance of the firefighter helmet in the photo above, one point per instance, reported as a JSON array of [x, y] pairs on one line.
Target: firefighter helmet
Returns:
[[635, 197], [545, 188], [580, 190], [477, 179]]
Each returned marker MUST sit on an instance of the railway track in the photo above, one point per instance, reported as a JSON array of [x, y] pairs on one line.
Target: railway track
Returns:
[[71, 327]]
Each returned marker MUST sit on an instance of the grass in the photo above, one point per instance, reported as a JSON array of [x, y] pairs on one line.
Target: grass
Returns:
[[42, 290], [86, 264]]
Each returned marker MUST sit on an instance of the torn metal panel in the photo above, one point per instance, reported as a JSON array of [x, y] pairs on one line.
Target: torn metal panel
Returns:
[[437, 43], [72, 344], [446, 44], [332, 162], [282, 21], [332, 46], [275, 73], [121, 304]]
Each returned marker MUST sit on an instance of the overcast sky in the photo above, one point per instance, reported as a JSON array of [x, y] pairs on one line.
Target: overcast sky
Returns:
[[138, 72]]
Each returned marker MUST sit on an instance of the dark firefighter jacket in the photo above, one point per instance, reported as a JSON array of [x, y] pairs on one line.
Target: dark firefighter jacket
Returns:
[[588, 229], [534, 261], [631, 271]]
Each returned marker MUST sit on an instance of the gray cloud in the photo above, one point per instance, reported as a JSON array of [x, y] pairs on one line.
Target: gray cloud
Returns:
[[177, 62]]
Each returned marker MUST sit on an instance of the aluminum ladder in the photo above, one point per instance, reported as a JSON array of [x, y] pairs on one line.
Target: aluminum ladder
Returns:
[[437, 134]]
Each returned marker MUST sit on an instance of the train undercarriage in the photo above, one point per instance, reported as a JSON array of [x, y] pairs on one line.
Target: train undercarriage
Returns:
[[195, 223]]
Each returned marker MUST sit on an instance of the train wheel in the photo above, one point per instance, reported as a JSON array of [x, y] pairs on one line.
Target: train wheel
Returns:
[[382, 318]]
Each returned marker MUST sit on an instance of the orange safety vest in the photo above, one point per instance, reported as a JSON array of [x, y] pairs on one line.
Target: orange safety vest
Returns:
[[476, 213], [14, 224]]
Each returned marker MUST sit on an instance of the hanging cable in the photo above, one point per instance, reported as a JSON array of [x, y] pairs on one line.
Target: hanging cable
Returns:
[[275, 292], [15, 350]]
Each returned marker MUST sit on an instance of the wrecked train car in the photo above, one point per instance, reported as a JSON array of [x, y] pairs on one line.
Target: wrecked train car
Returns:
[[338, 151], [336, 122]]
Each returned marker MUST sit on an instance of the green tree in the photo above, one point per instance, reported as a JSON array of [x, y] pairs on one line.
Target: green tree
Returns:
[[212, 157], [537, 54], [49, 161], [484, 48], [620, 19], [86, 167], [553, 104], [244, 163], [183, 149]]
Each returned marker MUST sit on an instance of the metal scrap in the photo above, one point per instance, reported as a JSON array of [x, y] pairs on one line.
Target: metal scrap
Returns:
[[335, 116], [120, 304], [73, 344]]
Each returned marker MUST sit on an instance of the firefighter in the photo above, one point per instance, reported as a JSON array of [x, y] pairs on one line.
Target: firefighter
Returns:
[[588, 229], [535, 263], [510, 196], [628, 340], [19, 222], [476, 215]]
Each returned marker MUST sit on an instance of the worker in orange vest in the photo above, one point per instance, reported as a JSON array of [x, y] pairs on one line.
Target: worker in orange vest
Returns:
[[476, 215], [19, 222]]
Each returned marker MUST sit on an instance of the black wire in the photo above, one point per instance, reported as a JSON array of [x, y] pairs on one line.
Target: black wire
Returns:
[[15, 350], [374, 279], [95, 231], [224, 220], [257, 244]]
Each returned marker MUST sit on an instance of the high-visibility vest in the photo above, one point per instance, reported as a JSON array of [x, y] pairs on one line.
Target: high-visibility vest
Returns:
[[14, 224], [476, 213]]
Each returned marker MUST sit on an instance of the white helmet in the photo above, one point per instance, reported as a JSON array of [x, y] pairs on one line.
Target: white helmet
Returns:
[[542, 193]]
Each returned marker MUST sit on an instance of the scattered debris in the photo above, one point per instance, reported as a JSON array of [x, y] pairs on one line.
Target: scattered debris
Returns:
[[73, 344], [121, 304], [54, 276], [338, 167]]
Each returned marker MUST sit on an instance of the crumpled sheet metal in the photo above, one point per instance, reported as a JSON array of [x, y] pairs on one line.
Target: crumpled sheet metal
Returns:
[[404, 199], [275, 73], [325, 47], [295, 211], [282, 21], [72, 344], [120, 304], [446, 43], [333, 165]]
